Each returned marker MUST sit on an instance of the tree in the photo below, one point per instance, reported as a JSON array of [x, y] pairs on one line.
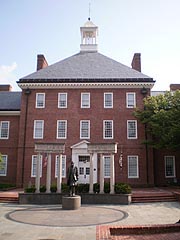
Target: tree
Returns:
[[161, 117]]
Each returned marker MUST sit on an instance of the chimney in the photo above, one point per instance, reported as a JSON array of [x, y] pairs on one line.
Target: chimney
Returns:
[[136, 62], [41, 62], [174, 87], [5, 88]]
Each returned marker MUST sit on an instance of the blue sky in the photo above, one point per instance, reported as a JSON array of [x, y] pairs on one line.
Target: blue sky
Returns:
[[52, 28]]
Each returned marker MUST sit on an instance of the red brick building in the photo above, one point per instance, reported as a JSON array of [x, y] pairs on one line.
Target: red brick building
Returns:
[[83, 102]]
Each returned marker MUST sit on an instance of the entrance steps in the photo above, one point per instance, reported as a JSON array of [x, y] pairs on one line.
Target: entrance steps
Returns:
[[9, 199]]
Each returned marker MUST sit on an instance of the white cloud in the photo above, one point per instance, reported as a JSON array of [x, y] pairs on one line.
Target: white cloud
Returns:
[[7, 75]]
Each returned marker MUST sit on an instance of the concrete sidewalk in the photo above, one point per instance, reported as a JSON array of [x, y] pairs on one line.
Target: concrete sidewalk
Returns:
[[32, 222]]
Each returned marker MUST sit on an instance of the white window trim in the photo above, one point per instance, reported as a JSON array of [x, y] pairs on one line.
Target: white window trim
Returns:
[[174, 175], [108, 93], [43, 106], [34, 135], [32, 161], [88, 129], [137, 160], [63, 159], [65, 129], [5, 169], [1, 129], [107, 156], [88, 100], [59, 94], [134, 94], [135, 129], [104, 137]]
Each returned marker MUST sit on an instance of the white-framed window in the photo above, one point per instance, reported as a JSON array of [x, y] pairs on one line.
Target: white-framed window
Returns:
[[3, 165], [62, 100], [131, 129], [108, 129], [34, 165], [170, 166], [85, 129], [108, 100], [38, 129], [85, 100], [133, 167], [40, 100], [4, 129], [63, 166], [61, 129], [107, 160], [130, 100]]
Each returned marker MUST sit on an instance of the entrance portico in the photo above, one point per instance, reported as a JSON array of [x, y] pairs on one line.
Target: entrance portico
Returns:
[[49, 148]]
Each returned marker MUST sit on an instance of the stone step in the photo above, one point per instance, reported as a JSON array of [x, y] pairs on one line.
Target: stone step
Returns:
[[154, 198], [9, 199]]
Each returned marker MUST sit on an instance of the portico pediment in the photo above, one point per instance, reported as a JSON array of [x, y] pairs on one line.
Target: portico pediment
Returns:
[[80, 145]]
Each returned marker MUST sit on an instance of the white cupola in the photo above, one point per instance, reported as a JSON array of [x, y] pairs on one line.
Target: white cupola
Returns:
[[89, 34]]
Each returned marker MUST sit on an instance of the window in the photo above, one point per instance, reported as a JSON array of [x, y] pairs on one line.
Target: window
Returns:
[[40, 100], [34, 165], [61, 129], [169, 166], [133, 171], [108, 100], [130, 100], [107, 160], [85, 129], [85, 100], [38, 129], [3, 165], [62, 100], [4, 130], [132, 129], [63, 166], [108, 129]]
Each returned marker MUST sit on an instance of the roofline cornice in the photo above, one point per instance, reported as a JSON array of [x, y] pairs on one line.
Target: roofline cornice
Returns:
[[85, 85], [9, 113]]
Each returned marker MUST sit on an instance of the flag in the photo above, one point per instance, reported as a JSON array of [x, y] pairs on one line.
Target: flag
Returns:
[[45, 161]]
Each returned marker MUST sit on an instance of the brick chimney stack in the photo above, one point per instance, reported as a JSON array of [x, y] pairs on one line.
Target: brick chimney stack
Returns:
[[5, 88], [136, 62], [41, 62]]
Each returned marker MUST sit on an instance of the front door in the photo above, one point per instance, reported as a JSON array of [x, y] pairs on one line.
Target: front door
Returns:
[[84, 168]]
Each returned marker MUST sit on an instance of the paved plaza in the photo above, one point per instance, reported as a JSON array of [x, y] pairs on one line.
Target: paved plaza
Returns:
[[50, 222]]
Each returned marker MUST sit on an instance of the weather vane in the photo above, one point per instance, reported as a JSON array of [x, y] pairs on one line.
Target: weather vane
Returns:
[[89, 18]]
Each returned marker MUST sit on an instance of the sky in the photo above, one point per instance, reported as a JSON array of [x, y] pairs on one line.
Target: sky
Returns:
[[52, 28]]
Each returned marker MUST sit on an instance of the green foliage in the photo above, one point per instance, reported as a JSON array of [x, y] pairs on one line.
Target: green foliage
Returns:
[[83, 188], [96, 187], [31, 189], [161, 116], [42, 188], [65, 188], [4, 186], [107, 187], [53, 188], [122, 188]]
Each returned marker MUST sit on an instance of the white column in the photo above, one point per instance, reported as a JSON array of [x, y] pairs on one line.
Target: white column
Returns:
[[37, 181], [112, 174], [59, 173], [101, 174], [91, 174], [48, 174]]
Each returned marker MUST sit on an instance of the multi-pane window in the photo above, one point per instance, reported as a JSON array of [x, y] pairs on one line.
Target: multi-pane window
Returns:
[[108, 129], [107, 160], [169, 166], [132, 129], [62, 100], [133, 169], [3, 165], [63, 170], [85, 129], [40, 100], [61, 129], [131, 100], [38, 129], [108, 100], [85, 100], [34, 165], [4, 130]]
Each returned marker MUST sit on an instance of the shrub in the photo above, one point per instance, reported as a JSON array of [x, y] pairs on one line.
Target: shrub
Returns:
[[122, 188], [96, 187], [64, 188], [106, 187], [53, 188], [83, 188], [4, 186], [42, 188], [31, 189]]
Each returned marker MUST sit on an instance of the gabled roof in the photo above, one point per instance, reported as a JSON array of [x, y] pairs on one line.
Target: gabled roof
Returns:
[[10, 101], [87, 67]]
